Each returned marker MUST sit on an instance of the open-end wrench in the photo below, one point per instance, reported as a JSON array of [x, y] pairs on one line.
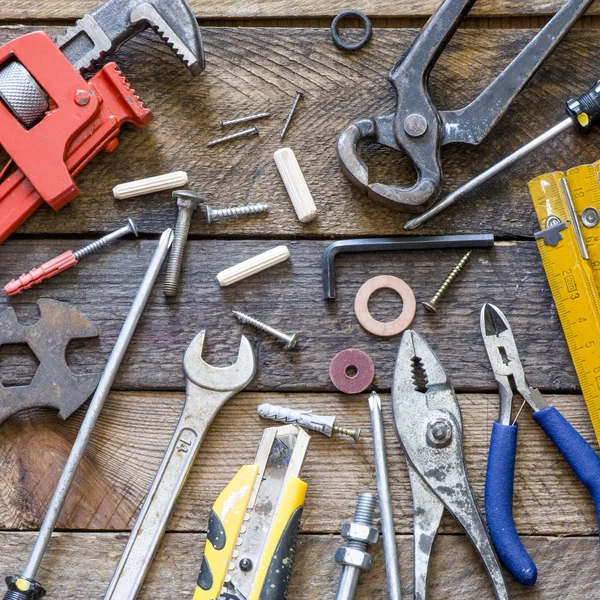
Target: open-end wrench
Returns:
[[207, 390]]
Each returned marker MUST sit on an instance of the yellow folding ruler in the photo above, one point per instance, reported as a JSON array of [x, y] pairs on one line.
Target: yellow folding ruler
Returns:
[[568, 208]]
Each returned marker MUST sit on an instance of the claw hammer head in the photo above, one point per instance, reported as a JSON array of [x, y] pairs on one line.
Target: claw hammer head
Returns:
[[220, 379], [102, 32]]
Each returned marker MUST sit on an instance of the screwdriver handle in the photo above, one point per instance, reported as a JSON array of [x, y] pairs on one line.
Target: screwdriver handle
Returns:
[[20, 588], [499, 504], [577, 452], [584, 110]]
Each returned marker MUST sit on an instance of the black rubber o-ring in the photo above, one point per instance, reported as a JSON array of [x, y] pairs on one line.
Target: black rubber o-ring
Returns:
[[337, 40]]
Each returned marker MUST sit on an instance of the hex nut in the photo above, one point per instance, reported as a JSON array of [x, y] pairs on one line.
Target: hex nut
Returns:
[[360, 533], [351, 557]]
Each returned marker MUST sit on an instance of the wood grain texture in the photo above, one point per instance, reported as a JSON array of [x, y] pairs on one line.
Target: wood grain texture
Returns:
[[256, 69], [290, 297], [134, 430], [72, 9], [79, 566]]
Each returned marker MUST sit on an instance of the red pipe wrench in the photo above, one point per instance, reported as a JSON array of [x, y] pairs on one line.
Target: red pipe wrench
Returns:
[[53, 121]]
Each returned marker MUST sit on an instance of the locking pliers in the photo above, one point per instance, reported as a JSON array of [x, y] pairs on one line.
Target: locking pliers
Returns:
[[419, 129], [429, 425]]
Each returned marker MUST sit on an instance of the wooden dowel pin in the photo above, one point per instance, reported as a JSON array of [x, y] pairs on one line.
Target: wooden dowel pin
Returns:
[[170, 181], [253, 265], [296, 186]]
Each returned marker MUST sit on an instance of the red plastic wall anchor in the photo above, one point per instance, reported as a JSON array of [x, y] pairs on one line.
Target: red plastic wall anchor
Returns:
[[46, 271], [117, 104]]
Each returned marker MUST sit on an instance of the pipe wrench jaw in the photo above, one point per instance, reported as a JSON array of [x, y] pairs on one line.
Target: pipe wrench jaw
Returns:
[[102, 32], [380, 130]]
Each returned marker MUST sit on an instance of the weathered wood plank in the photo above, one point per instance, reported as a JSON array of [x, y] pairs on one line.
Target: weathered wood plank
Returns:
[[255, 69], [290, 297], [134, 431], [79, 566], [71, 9]]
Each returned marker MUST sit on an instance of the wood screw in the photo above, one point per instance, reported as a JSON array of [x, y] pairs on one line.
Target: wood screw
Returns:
[[431, 305], [213, 214], [289, 340]]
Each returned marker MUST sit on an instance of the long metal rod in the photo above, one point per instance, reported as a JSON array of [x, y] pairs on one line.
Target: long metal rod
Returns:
[[463, 190], [102, 391], [385, 500]]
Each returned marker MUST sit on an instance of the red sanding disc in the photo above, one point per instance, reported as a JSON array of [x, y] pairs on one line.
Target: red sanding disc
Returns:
[[352, 371]]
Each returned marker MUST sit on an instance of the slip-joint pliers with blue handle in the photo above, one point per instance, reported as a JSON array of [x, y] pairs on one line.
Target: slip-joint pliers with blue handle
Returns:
[[506, 364]]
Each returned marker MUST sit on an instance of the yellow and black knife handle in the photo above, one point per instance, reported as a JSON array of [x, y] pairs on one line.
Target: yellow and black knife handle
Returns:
[[274, 569], [224, 524]]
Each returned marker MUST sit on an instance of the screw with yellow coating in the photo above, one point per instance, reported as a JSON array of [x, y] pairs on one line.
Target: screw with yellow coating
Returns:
[[431, 305]]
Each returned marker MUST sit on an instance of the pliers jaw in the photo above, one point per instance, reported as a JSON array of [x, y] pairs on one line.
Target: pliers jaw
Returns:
[[506, 364]]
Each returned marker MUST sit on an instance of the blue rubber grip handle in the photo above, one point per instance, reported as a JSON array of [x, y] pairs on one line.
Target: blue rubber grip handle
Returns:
[[499, 501], [577, 452]]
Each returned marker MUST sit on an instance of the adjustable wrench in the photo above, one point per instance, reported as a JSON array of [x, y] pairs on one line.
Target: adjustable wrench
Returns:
[[207, 390]]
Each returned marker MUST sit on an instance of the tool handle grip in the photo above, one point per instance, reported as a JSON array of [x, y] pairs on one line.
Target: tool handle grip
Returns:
[[21, 588], [499, 502], [577, 452], [584, 111]]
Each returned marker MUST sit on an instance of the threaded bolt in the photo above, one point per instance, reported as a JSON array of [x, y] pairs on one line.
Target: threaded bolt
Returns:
[[213, 214], [356, 547], [289, 340], [365, 512], [96, 246], [431, 305], [188, 202]]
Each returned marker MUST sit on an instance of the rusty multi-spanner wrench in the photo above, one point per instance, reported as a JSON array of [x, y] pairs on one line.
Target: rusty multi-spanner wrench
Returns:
[[419, 129], [207, 390]]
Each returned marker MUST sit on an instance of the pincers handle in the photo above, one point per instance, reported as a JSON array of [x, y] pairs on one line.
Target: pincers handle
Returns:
[[499, 501], [577, 452]]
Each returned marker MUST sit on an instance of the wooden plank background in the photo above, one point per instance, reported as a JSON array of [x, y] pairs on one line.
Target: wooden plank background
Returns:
[[258, 55]]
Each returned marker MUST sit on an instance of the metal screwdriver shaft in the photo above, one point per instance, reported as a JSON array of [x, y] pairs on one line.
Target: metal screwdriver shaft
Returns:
[[289, 340], [24, 587], [431, 305], [462, 191], [386, 512]]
